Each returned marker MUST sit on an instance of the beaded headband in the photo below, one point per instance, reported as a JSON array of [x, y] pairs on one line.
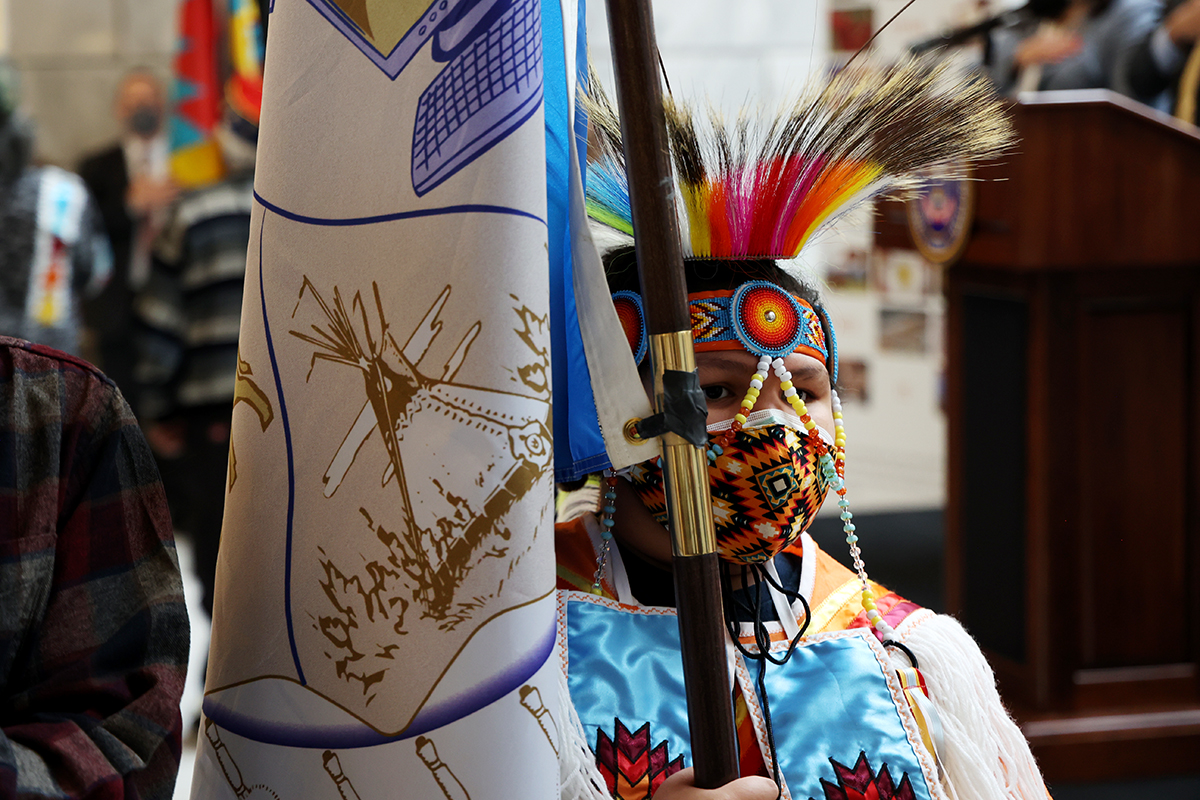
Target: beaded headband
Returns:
[[758, 317]]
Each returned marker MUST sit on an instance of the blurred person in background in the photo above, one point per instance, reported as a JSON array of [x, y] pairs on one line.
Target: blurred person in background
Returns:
[[52, 250], [189, 315], [93, 628], [1071, 44], [1164, 60], [131, 183]]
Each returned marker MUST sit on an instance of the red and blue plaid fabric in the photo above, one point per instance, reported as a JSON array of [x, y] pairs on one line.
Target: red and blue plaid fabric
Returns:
[[93, 629]]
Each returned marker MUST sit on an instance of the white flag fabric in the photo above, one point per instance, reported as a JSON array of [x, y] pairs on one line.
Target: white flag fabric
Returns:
[[385, 616]]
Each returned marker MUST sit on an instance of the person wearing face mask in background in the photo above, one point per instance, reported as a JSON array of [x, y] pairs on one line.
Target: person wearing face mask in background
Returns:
[[131, 183]]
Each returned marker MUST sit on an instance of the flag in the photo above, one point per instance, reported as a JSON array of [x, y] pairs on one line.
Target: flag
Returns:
[[196, 98], [385, 610], [596, 384]]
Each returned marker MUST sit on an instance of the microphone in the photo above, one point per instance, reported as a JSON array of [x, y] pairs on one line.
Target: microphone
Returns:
[[957, 36]]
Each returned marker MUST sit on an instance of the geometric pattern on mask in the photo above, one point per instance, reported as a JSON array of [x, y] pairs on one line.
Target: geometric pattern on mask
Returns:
[[766, 488], [778, 484]]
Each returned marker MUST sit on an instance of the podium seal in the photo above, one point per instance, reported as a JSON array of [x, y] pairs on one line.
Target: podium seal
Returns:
[[940, 217]]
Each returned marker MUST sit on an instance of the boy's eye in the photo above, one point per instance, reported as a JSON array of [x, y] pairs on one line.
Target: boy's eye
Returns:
[[716, 393]]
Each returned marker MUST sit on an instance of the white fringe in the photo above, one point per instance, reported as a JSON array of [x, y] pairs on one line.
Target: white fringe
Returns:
[[985, 755], [579, 777]]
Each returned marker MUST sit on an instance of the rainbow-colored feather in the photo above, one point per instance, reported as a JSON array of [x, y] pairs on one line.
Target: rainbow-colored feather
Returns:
[[754, 190]]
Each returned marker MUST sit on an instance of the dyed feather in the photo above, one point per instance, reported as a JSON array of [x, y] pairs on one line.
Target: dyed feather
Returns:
[[764, 189]]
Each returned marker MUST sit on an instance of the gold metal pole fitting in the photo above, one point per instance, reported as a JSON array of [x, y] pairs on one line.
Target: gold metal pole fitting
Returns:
[[685, 466]]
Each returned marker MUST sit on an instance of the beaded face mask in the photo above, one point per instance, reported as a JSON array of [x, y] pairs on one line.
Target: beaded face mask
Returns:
[[766, 484]]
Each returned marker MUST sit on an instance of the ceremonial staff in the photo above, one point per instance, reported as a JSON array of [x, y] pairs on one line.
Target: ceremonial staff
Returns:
[[678, 400]]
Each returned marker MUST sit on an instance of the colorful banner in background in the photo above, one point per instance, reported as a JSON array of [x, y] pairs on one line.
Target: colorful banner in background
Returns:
[[385, 611], [243, 90], [196, 98], [198, 103]]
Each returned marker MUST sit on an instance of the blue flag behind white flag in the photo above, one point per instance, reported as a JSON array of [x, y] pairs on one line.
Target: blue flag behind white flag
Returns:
[[579, 445], [596, 385]]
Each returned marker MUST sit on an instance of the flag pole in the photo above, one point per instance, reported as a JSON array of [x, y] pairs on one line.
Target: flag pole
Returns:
[[668, 322]]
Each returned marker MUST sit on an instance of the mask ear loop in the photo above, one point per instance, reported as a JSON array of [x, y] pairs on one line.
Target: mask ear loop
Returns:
[[753, 607]]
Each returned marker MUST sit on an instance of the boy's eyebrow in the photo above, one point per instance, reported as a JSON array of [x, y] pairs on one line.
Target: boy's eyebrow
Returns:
[[811, 371], [714, 361]]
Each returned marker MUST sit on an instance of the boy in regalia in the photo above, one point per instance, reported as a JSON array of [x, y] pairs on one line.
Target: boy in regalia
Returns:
[[842, 689]]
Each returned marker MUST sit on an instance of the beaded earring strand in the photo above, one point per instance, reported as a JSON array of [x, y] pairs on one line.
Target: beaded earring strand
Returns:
[[834, 469], [608, 507]]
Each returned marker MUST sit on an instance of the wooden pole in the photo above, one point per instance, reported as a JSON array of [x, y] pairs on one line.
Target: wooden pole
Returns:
[[668, 321]]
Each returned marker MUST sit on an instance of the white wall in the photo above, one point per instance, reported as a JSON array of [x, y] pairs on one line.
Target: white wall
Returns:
[[72, 53], [3, 28], [728, 51]]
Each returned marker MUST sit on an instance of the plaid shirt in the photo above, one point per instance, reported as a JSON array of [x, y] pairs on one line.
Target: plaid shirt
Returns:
[[93, 631]]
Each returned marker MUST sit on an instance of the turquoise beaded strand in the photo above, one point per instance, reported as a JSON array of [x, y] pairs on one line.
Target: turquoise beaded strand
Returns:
[[608, 507]]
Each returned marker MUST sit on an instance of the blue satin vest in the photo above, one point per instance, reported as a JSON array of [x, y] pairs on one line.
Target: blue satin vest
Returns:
[[838, 711]]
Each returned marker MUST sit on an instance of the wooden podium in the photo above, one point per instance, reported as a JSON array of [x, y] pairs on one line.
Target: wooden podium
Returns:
[[1073, 398]]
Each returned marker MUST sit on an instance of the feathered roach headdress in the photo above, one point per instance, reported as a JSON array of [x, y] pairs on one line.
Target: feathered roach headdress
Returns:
[[763, 189]]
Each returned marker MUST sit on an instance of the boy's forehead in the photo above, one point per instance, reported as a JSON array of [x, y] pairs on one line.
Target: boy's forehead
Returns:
[[799, 364], [726, 359]]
